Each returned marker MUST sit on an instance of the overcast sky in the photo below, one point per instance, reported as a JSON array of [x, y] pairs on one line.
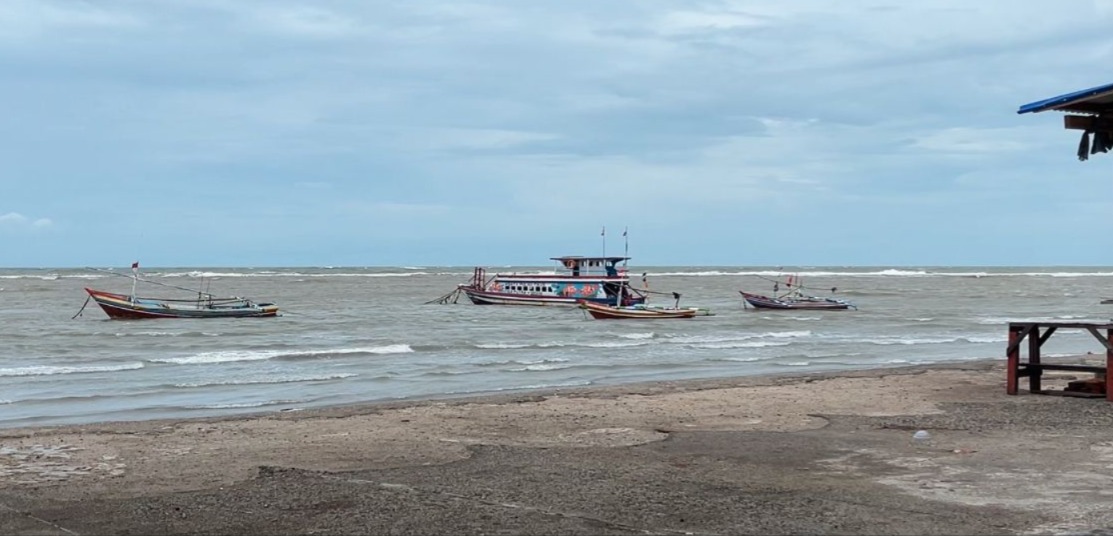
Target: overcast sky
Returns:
[[359, 133]]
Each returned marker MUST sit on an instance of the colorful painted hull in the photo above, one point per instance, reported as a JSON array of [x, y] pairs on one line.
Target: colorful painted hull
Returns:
[[483, 297], [803, 303], [541, 290], [606, 312], [123, 307]]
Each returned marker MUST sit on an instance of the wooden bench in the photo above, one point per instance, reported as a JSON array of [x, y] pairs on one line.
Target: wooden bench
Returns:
[[1037, 333]]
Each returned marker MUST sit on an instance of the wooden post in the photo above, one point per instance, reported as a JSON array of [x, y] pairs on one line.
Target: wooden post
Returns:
[[1013, 361], [1035, 373], [1108, 364]]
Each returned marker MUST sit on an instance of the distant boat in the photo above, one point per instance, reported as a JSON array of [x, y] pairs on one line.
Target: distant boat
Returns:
[[794, 298], [204, 305], [795, 301], [125, 307], [609, 312]]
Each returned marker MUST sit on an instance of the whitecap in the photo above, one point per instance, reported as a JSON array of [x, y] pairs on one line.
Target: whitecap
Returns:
[[46, 370]]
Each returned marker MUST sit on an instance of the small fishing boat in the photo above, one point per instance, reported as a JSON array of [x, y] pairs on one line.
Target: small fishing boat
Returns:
[[795, 301], [793, 298], [641, 311], [202, 305]]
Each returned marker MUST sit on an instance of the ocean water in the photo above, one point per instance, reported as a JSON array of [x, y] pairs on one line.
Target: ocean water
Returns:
[[349, 335]]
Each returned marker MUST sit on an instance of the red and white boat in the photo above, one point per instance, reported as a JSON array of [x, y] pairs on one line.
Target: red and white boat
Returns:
[[127, 307], [199, 305]]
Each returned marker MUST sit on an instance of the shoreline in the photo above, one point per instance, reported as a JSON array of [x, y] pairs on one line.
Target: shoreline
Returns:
[[824, 434], [514, 394]]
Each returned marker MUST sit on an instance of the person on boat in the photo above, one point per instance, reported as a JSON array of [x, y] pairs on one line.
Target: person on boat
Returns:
[[571, 264]]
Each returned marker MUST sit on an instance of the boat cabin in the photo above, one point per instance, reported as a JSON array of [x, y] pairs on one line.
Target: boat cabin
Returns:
[[578, 266]]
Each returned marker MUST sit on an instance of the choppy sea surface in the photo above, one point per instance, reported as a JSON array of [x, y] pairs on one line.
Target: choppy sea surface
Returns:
[[350, 334]]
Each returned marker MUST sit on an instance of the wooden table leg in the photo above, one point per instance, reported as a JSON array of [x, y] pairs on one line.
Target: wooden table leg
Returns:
[[1012, 379], [1108, 365], [1035, 374]]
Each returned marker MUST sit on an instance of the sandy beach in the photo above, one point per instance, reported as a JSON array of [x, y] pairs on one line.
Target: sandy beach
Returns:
[[803, 454]]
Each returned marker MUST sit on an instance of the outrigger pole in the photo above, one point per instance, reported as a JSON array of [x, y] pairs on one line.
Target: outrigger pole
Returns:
[[135, 278]]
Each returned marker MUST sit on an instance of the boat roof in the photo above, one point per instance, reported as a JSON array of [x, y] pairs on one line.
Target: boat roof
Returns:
[[582, 258], [1094, 100]]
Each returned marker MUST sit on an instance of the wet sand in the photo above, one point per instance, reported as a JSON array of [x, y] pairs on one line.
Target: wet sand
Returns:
[[803, 454]]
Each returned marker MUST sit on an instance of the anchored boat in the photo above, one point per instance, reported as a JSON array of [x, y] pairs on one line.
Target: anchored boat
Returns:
[[641, 311], [576, 279], [121, 306], [202, 305], [793, 298], [795, 301]]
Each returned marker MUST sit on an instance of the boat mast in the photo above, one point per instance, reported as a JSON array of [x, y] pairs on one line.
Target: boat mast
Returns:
[[603, 234], [626, 248], [626, 254], [134, 279], [625, 265]]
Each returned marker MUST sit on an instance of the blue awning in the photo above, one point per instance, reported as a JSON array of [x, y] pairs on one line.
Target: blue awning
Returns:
[[1094, 100]]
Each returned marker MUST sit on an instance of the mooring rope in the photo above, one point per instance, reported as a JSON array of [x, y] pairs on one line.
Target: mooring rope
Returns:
[[87, 298], [452, 297]]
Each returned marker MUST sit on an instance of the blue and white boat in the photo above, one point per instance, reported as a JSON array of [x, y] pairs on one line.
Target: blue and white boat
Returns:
[[577, 279]]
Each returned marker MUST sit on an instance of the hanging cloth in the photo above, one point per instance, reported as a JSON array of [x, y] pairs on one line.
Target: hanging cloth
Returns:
[[1084, 146]]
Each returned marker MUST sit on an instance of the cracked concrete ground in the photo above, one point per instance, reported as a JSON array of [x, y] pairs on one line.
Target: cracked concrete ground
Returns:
[[808, 454]]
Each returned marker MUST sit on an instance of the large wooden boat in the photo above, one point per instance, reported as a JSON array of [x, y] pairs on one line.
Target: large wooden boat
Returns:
[[200, 305], [576, 279]]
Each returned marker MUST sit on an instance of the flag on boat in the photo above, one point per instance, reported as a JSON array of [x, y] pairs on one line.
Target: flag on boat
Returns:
[[604, 231], [135, 266], [624, 231]]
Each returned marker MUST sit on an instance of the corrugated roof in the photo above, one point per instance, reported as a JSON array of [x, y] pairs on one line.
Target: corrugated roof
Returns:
[[1094, 100]]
